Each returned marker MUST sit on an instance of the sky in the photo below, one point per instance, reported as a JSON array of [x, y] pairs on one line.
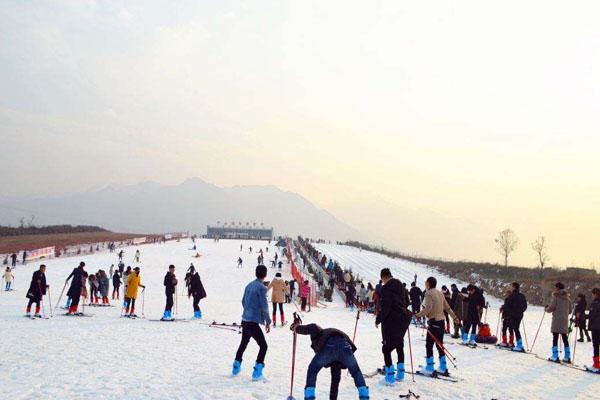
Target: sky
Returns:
[[433, 125]]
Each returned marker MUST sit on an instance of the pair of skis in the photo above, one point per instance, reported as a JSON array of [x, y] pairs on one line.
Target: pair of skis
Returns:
[[436, 375]]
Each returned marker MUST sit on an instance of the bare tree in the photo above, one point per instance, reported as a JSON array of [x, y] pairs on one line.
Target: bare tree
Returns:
[[507, 241], [541, 249]]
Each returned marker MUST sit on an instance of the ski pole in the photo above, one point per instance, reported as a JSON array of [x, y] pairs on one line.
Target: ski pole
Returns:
[[498, 325], [176, 302], [143, 301], [50, 302], [412, 366], [538, 331], [441, 346], [524, 332], [296, 322], [356, 326], [574, 348], [486, 310], [61, 294]]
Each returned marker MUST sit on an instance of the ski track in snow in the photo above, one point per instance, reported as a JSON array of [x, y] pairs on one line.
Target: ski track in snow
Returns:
[[107, 357]]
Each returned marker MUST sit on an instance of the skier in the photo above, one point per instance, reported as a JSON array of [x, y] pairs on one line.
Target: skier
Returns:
[[256, 313], [170, 283], [103, 286], [133, 283], [277, 297], [111, 270], [239, 262], [292, 290], [8, 278], [560, 307], [448, 298], [241, 247], [453, 301], [434, 306], [120, 254], [13, 259], [517, 304], [37, 290], [24, 257], [506, 327], [580, 317], [137, 255], [363, 297], [594, 326], [304, 294], [93, 285], [335, 350], [280, 265], [475, 304], [416, 295], [350, 295], [394, 318], [116, 280], [196, 290], [77, 284]]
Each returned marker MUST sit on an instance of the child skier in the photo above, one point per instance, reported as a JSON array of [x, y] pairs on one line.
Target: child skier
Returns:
[[8, 278], [93, 284], [594, 326], [304, 294], [580, 317], [103, 284], [434, 306], [196, 290], [137, 256], [133, 283], [333, 349], [256, 313], [507, 341], [116, 279], [170, 283], [561, 308], [277, 297], [37, 290]]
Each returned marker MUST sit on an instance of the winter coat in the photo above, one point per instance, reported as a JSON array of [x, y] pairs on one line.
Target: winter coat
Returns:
[[8, 276], [170, 282], [116, 279], [256, 308], [133, 283], [319, 336], [77, 282], [196, 288], [103, 285], [594, 317], [475, 305], [460, 306], [278, 293], [37, 288], [304, 290], [580, 317], [434, 306], [561, 308], [363, 293], [515, 306], [416, 294], [393, 314]]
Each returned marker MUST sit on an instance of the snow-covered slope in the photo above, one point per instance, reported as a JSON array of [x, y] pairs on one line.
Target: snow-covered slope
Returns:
[[107, 357]]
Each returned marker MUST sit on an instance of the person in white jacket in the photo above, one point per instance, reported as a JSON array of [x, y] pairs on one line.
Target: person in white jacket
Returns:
[[8, 278]]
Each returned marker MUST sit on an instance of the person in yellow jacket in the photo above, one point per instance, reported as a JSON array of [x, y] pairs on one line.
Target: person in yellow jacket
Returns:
[[133, 283], [278, 297]]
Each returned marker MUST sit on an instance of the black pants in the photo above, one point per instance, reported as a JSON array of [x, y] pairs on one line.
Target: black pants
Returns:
[[436, 328], [280, 308], [169, 305], [303, 303], [196, 302], [252, 330], [34, 300], [506, 327], [582, 331], [391, 344], [471, 325], [515, 326], [564, 336], [75, 300], [596, 342], [336, 377]]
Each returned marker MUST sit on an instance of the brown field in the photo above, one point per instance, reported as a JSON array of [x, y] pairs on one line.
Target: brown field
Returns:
[[10, 244]]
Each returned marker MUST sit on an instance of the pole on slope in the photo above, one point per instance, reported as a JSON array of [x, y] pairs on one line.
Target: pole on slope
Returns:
[[176, 302], [50, 302], [524, 332], [487, 305], [297, 321], [412, 365], [61, 294], [144, 302], [356, 326], [574, 348], [538, 331], [498, 325]]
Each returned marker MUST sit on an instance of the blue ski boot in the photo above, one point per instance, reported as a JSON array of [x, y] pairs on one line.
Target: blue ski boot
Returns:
[[237, 367], [472, 340], [465, 338], [390, 378], [197, 314], [554, 356], [400, 371], [567, 357], [428, 369], [443, 369], [257, 373], [309, 393], [519, 346], [363, 393], [165, 316]]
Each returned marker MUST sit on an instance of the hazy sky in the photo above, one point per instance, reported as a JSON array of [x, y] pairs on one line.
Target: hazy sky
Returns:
[[479, 111]]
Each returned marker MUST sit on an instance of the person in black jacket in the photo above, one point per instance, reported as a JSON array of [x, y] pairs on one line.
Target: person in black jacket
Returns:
[[37, 290], [196, 290], [350, 295], [516, 304], [77, 284], [580, 317], [335, 350], [507, 341], [454, 298], [170, 283], [476, 303], [116, 279], [416, 297], [594, 326], [394, 318]]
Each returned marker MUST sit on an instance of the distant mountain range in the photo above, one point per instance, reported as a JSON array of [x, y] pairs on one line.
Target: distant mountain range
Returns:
[[151, 207]]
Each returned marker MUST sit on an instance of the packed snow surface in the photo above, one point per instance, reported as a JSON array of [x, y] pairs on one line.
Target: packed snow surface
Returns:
[[108, 357]]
